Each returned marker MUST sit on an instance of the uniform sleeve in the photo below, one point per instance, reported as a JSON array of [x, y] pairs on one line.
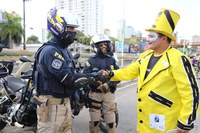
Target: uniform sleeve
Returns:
[[114, 83], [56, 64], [116, 66], [127, 73], [188, 90]]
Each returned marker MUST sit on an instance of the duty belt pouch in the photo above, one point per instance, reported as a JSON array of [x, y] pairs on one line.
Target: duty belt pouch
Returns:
[[43, 112]]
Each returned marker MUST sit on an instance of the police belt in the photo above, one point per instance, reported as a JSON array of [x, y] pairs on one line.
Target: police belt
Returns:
[[99, 91], [49, 100], [96, 90]]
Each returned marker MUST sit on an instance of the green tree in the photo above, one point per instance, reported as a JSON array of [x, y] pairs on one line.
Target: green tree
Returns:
[[49, 36], [11, 30], [80, 36], [132, 40], [32, 40]]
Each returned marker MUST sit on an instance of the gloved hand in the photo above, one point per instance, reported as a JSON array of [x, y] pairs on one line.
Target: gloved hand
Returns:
[[82, 80], [104, 88], [96, 77], [105, 76], [76, 107], [92, 76]]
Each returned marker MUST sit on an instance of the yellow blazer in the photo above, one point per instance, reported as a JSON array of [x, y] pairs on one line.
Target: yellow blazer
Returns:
[[169, 95]]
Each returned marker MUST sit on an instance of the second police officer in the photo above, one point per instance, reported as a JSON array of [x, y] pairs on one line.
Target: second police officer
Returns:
[[101, 97]]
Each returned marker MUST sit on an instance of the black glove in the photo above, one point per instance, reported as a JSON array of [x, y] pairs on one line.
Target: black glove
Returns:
[[92, 77], [76, 107], [82, 80], [105, 76]]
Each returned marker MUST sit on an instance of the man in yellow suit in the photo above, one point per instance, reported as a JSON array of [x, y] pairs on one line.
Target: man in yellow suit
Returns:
[[168, 94]]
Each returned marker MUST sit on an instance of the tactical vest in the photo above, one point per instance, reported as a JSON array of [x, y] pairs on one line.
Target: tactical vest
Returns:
[[44, 82], [106, 63]]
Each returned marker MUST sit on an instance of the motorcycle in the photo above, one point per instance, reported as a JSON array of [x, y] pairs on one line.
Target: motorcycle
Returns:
[[16, 107]]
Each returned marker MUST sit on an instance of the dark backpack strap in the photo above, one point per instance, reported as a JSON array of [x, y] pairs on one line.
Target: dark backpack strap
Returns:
[[41, 67], [35, 73]]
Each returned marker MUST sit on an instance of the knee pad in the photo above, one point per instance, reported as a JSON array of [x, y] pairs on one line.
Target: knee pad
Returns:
[[94, 123], [111, 125]]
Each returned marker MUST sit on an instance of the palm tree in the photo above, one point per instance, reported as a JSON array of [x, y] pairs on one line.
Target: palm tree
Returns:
[[11, 29]]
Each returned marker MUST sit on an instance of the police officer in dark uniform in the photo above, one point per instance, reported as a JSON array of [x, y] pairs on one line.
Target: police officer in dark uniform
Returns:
[[101, 97], [54, 75]]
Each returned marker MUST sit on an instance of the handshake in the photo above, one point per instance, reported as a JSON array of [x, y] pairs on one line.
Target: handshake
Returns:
[[101, 77], [104, 80], [105, 76]]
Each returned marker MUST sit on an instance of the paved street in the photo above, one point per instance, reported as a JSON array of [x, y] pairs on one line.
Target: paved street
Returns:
[[197, 126], [126, 101]]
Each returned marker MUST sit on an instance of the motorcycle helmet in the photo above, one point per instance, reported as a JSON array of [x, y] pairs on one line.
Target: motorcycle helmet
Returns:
[[57, 23], [97, 39]]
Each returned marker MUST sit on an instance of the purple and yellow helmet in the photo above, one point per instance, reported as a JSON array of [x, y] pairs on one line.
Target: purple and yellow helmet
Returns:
[[59, 20]]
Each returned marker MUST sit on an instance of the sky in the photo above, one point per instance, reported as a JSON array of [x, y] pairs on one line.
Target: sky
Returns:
[[140, 14]]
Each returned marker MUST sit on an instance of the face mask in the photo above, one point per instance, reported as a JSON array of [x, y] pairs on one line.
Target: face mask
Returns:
[[69, 39], [152, 36]]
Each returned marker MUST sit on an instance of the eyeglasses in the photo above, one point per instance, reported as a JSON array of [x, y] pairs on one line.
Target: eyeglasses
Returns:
[[103, 43]]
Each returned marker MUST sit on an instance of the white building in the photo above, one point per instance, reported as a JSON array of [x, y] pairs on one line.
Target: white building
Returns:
[[196, 39], [121, 30], [90, 13], [1, 16], [129, 31], [44, 35]]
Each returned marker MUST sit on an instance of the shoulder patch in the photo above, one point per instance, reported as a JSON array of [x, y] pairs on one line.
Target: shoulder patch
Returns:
[[56, 54], [56, 64], [112, 67], [87, 63]]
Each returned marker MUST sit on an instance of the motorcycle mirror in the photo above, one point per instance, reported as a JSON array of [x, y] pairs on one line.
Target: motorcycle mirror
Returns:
[[1, 47], [76, 56], [24, 59]]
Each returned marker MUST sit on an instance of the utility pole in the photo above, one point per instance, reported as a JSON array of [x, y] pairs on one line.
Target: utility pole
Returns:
[[24, 26], [123, 33]]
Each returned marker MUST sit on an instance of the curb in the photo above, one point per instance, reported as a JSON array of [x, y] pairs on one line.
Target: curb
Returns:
[[125, 83]]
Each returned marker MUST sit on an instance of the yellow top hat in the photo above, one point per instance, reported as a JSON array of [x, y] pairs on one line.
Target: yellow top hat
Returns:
[[165, 23]]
